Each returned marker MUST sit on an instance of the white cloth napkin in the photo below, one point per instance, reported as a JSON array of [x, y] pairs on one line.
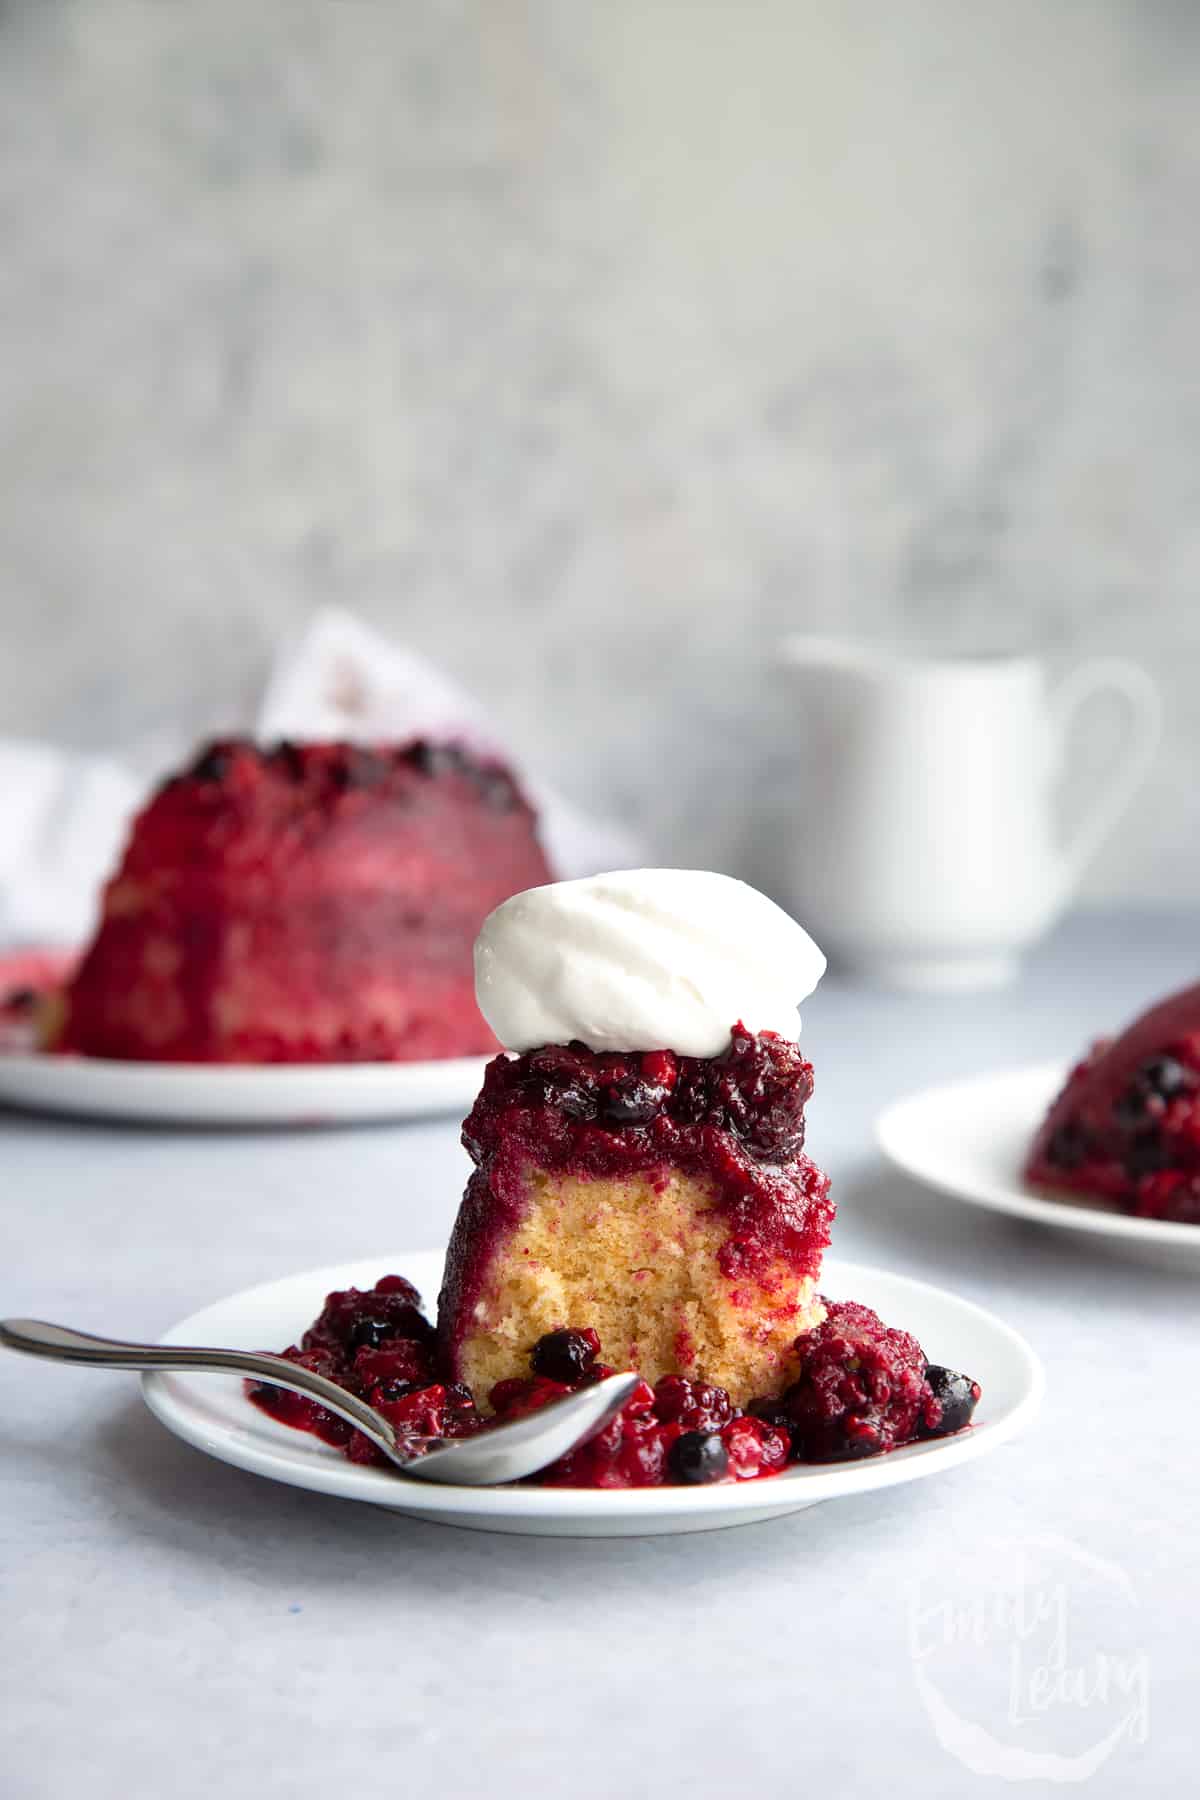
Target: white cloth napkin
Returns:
[[64, 816]]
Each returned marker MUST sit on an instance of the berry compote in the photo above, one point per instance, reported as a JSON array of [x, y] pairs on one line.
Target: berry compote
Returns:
[[863, 1388]]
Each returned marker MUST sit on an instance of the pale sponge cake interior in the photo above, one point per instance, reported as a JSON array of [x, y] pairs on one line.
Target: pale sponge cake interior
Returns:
[[636, 1257]]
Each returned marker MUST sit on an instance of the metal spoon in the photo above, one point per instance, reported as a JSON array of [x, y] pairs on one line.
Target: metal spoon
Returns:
[[500, 1453]]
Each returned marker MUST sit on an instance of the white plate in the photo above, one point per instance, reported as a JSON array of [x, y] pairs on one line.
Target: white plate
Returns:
[[970, 1139], [238, 1094], [212, 1412]]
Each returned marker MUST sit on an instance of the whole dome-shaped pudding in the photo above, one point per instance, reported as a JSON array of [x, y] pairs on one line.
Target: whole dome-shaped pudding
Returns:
[[306, 903], [1126, 1126]]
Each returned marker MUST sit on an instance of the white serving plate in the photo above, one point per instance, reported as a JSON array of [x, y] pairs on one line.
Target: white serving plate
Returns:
[[969, 1140], [212, 1412], [239, 1094]]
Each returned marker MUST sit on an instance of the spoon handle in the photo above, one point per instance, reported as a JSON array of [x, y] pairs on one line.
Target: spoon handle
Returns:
[[36, 1337]]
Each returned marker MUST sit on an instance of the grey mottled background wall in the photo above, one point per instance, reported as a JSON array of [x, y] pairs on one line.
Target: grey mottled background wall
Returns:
[[590, 346]]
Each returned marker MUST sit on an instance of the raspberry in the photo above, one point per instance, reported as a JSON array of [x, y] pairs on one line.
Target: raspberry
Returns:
[[630, 1451], [754, 1448], [692, 1405], [660, 1068], [432, 1412]]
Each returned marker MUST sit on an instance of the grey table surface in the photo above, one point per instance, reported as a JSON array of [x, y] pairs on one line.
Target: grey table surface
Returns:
[[169, 1625]]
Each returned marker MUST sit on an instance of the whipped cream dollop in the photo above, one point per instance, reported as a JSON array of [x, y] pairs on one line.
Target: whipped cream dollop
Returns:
[[643, 959]]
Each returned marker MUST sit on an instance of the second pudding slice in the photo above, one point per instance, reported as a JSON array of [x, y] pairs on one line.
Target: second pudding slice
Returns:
[[659, 1197]]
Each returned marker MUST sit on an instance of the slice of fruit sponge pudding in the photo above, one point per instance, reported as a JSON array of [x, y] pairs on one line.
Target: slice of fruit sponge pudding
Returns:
[[639, 1162]]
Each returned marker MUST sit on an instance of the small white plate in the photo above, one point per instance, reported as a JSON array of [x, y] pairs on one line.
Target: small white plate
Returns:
[[237, 1093], [212, 1412], [970, 1139]]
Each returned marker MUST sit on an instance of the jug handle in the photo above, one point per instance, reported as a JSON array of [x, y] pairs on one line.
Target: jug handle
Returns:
[[1124, 681]]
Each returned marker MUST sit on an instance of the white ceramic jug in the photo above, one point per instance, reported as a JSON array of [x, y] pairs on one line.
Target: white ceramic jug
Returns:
[[926, 852]]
